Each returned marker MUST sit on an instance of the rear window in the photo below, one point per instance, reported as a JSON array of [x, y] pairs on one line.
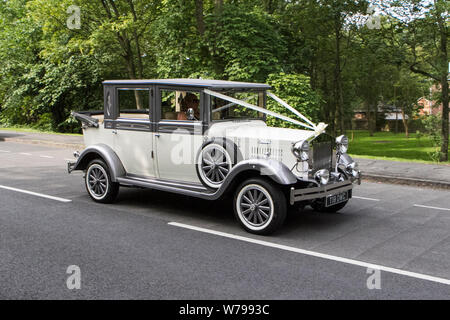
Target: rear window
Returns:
[[134, 103]]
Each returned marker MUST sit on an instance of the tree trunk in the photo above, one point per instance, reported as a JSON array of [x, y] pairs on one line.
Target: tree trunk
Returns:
[[375, 117], [125, 44], [445, 119], [326, 105], [337, 74], [218, 6], [405, 123], [270, 7], [443, 30], [136, 40], [199, 17], [131, 68], [396, 121], [369, 119]]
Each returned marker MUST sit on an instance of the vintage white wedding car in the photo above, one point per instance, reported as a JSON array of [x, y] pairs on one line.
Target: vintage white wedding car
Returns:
[[208, 139]]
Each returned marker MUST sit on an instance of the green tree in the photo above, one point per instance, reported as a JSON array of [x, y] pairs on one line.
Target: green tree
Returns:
[[320, 36], [422, 27], [20, 68], [409, 88], [296, 90]]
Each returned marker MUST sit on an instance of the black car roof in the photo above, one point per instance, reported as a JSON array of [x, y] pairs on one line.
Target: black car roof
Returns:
[[191, 82]]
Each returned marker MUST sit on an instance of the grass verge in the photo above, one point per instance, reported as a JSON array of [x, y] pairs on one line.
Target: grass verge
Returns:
[[31, 130], [391, 146]]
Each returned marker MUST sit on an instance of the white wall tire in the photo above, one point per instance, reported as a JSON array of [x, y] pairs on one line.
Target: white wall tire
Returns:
[[259, 206], [98, 182], [213, 165]]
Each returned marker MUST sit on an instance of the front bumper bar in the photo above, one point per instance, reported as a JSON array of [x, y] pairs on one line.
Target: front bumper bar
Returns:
[[319, 192]]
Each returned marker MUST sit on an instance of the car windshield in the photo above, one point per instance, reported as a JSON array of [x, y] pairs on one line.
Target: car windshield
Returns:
[[225, 110]]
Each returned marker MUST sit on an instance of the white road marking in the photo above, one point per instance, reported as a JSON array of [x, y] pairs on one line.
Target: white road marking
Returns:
[[315, 254], [47, 157], [68, 159], [5, 151], [436, 208], [362, 198], [25, 154], [35, 194]]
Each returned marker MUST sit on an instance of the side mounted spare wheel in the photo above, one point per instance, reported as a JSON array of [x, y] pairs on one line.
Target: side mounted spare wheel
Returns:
[[215, 161]]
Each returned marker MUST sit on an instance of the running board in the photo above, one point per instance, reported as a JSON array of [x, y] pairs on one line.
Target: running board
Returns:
[[175, 187]]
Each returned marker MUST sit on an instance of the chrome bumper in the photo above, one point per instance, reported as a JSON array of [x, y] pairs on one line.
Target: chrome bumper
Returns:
[[70, 166], [319, 192]]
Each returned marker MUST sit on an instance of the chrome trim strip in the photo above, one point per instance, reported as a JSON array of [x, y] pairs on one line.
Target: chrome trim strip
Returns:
[[175, 188], [181, 122], [129, 125], [180, 126], [174, 183]]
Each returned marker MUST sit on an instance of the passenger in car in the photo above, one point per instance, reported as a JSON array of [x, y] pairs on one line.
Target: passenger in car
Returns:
[[189, 101]]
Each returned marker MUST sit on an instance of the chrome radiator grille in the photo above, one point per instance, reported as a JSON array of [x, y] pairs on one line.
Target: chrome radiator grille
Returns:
[[321, 155]]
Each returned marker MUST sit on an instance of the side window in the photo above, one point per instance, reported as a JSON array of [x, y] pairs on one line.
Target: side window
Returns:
[[175, 104], [134, 103]]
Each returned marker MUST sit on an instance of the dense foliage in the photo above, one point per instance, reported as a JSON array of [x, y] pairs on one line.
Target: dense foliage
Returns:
[[295, 89], [327, 58]]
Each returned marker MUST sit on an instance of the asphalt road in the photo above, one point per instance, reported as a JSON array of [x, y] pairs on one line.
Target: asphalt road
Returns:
[[132, 249]]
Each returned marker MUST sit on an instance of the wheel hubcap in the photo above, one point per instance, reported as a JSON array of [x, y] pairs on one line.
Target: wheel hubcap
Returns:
[[97, 181], [255, 206]]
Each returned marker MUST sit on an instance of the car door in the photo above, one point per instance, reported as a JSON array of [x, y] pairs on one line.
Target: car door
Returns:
[[133, 141], [177, 139]]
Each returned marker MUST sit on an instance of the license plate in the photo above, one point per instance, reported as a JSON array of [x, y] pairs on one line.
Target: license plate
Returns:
[[336, 199]]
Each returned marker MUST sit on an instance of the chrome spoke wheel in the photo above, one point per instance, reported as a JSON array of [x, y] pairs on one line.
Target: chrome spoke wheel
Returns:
[[97, 181], [254, 206], [214, 164]]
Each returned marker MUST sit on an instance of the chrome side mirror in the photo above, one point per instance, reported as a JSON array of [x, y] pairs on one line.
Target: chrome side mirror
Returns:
[[190, 114]]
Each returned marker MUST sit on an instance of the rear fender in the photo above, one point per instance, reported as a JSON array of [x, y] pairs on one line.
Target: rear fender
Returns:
[[105, 153]]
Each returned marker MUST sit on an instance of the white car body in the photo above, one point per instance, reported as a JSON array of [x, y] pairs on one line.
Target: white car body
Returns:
[[206, 150]]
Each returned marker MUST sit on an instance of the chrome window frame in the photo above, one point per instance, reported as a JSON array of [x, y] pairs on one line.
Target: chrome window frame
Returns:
[[194, 127], [114, 122]]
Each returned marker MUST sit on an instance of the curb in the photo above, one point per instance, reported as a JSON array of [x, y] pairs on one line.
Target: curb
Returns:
[[46, 142], [370, 177]]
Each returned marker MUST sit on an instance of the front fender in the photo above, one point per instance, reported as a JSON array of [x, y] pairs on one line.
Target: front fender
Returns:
[[104, 152], [275, 170]]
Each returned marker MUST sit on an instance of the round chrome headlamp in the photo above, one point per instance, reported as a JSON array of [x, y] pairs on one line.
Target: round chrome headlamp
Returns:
[[301, 150], [342, 144], [322, 176]]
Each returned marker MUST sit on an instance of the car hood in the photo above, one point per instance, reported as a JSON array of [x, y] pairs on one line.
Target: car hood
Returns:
[[258, 130]]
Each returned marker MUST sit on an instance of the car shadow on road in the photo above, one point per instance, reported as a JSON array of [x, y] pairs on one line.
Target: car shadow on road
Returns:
[[165, 202], [184, 208]]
